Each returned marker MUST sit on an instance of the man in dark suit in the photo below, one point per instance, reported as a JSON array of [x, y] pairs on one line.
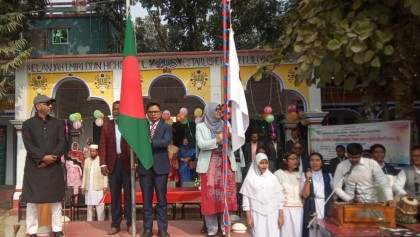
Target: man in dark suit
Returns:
[[378, 153], [274, 152], [157, 176], [250, 150], [296, 138], [115, 162], [341, 156], [298, 148]]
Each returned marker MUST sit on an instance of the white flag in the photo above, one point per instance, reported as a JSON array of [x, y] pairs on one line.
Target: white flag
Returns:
[[236, 95]]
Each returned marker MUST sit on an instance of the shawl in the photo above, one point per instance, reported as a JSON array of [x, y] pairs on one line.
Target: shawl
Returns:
[[215, 125], [264, 189]]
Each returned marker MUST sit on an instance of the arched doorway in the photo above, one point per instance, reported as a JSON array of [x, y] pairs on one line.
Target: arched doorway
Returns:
[[270, 91], [73, 95], [170, 92]]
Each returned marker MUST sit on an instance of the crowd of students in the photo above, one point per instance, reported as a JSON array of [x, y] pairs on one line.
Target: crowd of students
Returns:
[[285, 205]]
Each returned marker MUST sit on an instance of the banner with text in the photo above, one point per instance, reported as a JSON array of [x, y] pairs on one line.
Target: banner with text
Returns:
[[394, 136]]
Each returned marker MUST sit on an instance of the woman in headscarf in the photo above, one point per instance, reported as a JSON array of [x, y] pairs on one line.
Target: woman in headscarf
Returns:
[[74, 164], [186, 155], [316, 187], [262, 199], [289, 178], [209, 136]]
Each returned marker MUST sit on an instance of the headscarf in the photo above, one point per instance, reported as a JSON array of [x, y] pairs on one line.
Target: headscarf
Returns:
[[215, 125], [264, 189]]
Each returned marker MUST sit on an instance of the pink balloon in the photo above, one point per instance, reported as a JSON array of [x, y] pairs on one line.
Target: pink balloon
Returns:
[[268, 109], [291, 108], [99, 122], [77, 125], [166, 115], [183, 111]]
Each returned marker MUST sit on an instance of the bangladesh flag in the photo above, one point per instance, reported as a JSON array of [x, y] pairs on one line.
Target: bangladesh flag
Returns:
[[132, 121]]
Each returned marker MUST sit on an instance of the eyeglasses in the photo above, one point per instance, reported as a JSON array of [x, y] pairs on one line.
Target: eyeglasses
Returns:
[[46, 103], [153, 112]]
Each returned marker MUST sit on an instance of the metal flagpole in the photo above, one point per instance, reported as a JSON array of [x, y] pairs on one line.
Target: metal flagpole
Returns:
[[226, 220]]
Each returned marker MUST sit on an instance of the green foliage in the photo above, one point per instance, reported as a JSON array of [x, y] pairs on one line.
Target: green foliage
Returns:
[[14, 49], [360, 44], [196, 25]]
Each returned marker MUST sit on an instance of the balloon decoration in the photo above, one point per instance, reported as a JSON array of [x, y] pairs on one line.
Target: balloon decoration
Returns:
[[166, 115], [269, 118], [292, 114], [180, 117], [76, 120], [268, 109], [99, 121], [169, 121], [183, 111], [198, 112], [77, 125]]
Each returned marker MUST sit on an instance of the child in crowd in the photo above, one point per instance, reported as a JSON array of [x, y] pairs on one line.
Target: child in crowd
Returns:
[[94, 185], [262, 199]]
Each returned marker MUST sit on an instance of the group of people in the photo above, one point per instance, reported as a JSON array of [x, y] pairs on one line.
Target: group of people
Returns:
[[304, 193], [279, 195]]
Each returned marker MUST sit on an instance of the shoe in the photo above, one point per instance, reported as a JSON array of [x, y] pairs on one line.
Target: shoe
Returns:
[[146, 233], [114, 230], [163, 234], [58, 234], [33, 235], [211, 235]]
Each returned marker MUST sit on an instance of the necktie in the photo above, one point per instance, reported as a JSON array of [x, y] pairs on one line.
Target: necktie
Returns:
[[152, 130]]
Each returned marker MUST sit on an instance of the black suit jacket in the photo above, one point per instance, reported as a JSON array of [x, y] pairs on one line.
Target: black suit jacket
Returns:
[[333, 165], [248, 152], [160, 142], [273, 155]]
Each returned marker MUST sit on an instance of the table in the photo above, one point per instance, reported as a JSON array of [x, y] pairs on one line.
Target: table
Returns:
[[181, 195], [174, 195], [329, 229]]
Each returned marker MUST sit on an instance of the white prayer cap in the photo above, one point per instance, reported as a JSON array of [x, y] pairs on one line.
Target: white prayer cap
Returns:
[[94, 146]]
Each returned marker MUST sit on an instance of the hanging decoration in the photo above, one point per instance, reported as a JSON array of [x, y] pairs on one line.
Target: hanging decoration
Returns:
[[292, 115], [39, 83], [198, 79], [103, 81], [99, 118]]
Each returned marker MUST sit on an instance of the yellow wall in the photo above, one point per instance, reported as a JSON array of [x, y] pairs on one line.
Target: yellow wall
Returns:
[[45, 83]]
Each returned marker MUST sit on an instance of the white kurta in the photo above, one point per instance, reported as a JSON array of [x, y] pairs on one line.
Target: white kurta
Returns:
[[92, 196], [264, 225], [292, 210]]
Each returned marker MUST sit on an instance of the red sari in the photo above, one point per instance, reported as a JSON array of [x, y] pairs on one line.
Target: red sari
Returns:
[[212, 195]]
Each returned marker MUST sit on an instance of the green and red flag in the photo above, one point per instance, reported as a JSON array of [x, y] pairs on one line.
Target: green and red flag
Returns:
[[132, 121]]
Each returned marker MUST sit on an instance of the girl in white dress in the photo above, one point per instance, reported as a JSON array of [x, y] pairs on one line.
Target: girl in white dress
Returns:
[[289, 178], [262, 199]]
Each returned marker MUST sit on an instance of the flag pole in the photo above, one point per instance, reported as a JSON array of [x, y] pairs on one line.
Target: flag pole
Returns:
[[132, 166], [226, 219]]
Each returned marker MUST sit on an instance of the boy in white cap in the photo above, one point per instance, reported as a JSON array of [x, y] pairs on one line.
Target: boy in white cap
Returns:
[[94, 184]]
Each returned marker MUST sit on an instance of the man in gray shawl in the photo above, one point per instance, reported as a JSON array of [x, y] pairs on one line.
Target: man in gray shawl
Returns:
[[43, 178]]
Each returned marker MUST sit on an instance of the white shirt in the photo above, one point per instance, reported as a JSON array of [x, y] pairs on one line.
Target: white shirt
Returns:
[[367, 174], [117, 139], [399, 182]]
